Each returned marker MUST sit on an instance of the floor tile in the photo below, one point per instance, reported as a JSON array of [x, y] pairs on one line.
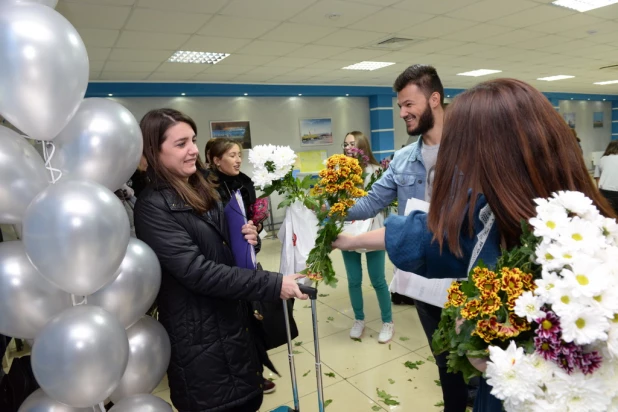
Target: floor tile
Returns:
[[408, 329], [370, 306], [165, 395]]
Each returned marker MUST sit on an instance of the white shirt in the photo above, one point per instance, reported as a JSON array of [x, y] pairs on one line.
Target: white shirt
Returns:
[[607, 170], [378, 220]]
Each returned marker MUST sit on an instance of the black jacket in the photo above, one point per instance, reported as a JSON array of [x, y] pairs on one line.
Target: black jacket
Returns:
[[228, 184], [215, 363]]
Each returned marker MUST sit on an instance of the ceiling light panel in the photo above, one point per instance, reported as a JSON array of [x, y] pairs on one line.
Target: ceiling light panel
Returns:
[[554, 78], [584, 5], [607, 82], [197, 57], [367, 65], [480, 72]]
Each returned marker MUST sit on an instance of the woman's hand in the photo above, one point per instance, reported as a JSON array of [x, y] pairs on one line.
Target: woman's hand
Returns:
[[250, 232], [290, 289], [344, 242]]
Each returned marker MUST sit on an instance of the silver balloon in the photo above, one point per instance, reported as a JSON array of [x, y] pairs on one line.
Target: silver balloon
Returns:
[[79, 357], [49, 3], [102, 143], [27, 300], [76, 234], [142, 403], [44, 71], [22, 175], [40, 402], [131, 294], [149, 357]]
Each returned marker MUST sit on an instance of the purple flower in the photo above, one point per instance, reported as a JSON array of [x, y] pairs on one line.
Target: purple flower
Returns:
[[547, 347], [589, 362], [549, 326], [385, 163], [358, 154]]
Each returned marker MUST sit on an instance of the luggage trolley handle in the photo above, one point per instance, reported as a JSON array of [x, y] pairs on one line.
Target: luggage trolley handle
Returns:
[[313, 295]]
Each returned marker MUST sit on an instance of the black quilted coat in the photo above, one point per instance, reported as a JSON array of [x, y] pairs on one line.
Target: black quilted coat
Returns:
[[203, 303]]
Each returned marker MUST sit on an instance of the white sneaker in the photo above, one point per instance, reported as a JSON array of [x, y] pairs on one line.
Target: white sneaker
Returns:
[[357, 329], [387, 332]]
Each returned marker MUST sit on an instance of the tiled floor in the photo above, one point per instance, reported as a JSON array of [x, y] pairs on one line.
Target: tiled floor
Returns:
[[357, 369]]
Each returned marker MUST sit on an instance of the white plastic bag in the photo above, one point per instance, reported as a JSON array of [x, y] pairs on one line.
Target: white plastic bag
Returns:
[[297, 235]]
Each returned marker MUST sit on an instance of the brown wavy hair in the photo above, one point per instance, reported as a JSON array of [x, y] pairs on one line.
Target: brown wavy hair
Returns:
[[198, 191], [362, 142], [611, 149], [503, 138]]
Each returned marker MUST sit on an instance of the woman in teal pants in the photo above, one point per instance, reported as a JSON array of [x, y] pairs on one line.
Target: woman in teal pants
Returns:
[[352, 145]]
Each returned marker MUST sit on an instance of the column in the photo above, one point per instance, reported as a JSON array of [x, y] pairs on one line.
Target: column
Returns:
[[381, 123], [614, 119]]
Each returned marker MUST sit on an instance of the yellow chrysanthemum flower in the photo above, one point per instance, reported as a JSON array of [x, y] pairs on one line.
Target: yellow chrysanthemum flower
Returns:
[[471, 309], [456, 297], [490, 304]]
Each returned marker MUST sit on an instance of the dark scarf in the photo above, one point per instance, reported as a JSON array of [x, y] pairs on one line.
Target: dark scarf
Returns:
[[228, 184]]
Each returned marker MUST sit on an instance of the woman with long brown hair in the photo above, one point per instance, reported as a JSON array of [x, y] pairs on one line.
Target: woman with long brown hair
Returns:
[[503, 145], [356, 144], [215, 363]]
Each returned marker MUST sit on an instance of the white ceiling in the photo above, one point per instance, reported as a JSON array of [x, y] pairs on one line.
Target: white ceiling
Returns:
[[294, 42]]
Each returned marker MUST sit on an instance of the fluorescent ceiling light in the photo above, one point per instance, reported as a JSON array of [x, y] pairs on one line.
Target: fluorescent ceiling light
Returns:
[[480, 72], [557, 77], [607, 82], [584, 5], [368, 66], [197, 57]]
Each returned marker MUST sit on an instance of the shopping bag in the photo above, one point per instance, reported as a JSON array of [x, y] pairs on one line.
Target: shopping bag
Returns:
[[297, 235]]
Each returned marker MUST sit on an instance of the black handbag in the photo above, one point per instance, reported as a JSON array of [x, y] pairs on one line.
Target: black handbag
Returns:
[[272, 321]]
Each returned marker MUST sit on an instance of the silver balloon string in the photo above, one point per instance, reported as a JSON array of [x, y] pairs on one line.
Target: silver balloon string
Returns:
[[84, 301], [48, 155], [102, 406]]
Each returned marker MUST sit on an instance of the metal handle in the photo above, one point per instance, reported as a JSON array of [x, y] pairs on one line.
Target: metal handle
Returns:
[[308, 290]]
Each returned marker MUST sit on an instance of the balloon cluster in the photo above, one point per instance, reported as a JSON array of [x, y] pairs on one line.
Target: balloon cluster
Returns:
[[76, 283]]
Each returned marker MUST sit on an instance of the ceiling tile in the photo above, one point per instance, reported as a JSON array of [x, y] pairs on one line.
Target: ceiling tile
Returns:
[[273, 71], [317, 51], [466, 49], [278, 10], [434, 7], [190, 6], [237, 27], [406, 57], [351, 38], [608, 12], [139, 55], [288, 79], [166, 21], [244, 60], [96, 65], [251, 78], [332, 64], [437, 27], [152, 41], [130, 66], [98, 37], [269, 48], [218, 68], [570, 44], [310, 72], [94, 75], [494, 53], [391, 20], [214, 44], [477, 32], [565, 23], [171, 77], [298, 33], [124, 75], [534, 15], [434, 45], [291, 62], [91, 16], [588, 31], [540, 42], [98, 53], [102, 2], [512, 37], [363, 55], [348, 13], [207, 76], [182, 67], [383, 3], [487, 10]]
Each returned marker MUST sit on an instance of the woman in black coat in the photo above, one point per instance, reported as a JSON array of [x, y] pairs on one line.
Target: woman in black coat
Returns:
[[215, 365]]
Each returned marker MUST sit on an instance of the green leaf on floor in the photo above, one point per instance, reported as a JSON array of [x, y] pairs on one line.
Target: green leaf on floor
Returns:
[[404, 338], [438, 383], [330, 318], [272, 379], [391, 381], [441, 403], [307, 373], [357, 339], [409, 380], [386, 398], [327, 402], [306, 306], [299, 343], [296, 352], [413, 365], [389, 346], [330, 374], [323, 295], [376, 408], [371, 336], [431, 359]]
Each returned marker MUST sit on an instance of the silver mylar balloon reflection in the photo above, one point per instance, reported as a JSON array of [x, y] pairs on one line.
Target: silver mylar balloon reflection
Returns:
[[142, 403], [132, 293], [149, 358], [40, 402], [76, 234], [79, 357], [27, 300], [22, 175], [102, 143], [44, 71], [49, 3]]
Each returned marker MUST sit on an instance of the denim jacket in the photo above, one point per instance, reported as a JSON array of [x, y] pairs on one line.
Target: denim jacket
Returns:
[[404, 179]]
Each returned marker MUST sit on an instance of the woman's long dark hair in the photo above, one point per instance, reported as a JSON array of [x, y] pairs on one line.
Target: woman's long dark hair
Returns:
[[612, 148], [198, 192], [504, 139]]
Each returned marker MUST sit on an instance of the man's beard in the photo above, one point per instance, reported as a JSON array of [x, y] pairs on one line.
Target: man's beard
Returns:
[[425, 123]]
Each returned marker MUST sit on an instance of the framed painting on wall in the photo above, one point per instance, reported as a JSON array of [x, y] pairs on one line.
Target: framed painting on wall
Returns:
[[316, 132], [570, 119], [597, 120], [235, 130]]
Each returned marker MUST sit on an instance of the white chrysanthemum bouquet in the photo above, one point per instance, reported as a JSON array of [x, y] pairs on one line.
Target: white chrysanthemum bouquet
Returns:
[[571, 363], [272, 171]]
